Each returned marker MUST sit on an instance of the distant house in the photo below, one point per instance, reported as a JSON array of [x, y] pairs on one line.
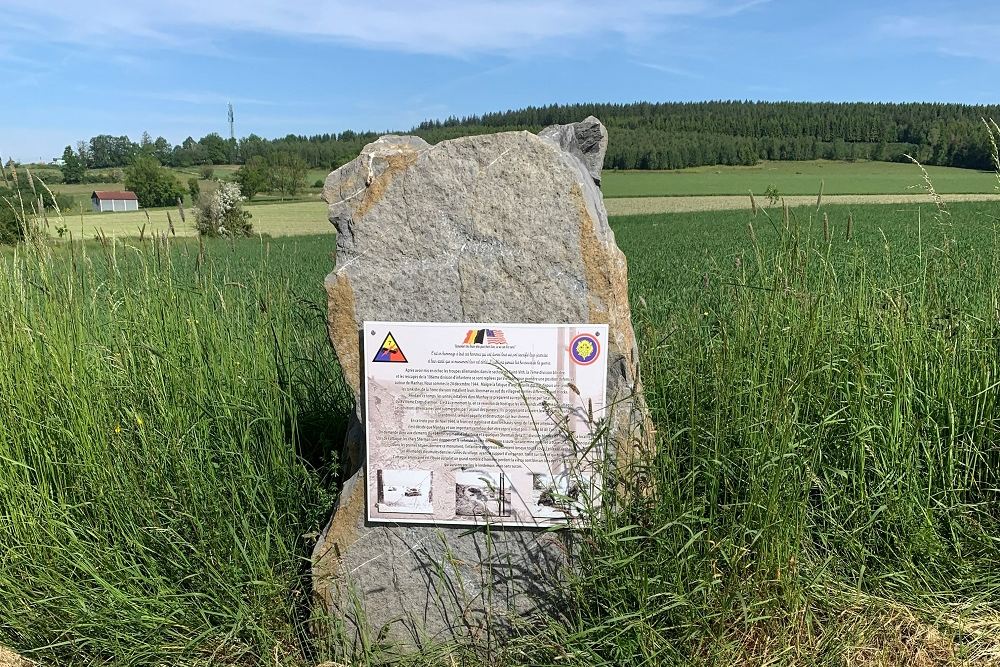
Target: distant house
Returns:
[[105, 200]]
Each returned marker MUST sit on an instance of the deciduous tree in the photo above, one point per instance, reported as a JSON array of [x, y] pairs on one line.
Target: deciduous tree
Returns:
[[72, 168], [288, 172], [152, 184], [253, 176]]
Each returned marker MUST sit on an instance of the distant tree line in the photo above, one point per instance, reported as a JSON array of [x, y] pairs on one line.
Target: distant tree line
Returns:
[[674, 135], [642, 136], [108, 152]]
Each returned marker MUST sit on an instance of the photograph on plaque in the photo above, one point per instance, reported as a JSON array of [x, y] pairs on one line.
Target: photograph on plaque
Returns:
[[550, 495], [405, 491], [481, 492], [476, 423]]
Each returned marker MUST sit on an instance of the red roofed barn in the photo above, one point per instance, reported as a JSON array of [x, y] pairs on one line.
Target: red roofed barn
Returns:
[[105, 200]]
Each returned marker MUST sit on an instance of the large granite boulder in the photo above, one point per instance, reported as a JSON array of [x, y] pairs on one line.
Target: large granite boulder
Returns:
[[506, 227], [10, 659], [586, 140]]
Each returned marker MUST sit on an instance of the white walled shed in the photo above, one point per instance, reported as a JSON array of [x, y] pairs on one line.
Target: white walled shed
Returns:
[[106, 200]]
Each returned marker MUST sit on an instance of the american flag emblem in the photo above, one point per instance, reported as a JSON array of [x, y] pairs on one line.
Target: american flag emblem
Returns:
[[495, 337], [485, 337]]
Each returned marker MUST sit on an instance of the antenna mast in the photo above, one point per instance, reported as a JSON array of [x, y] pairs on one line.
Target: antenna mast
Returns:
[[232, 130]]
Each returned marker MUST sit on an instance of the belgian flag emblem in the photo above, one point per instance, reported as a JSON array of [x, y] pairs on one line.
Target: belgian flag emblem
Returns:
[[389, 352]]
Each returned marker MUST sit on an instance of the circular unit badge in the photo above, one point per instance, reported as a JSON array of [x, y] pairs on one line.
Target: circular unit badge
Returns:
[[584, 349]]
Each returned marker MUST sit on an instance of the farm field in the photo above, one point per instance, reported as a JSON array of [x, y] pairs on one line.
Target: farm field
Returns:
[[274, 219], [298, 218], [629, 193], [796, 178], [694, 203], [824, 492]]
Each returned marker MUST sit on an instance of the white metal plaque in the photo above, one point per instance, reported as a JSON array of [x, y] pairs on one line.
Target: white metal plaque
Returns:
[[484, 423]]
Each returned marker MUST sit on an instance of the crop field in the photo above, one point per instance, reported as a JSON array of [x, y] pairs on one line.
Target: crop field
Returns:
[[788, 178], [825, 489], [273, 219], [310, 217], [628, 193], [694, 203], [796, 178]]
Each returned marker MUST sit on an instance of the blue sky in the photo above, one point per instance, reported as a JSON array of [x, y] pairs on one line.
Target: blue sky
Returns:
[[73, 69]]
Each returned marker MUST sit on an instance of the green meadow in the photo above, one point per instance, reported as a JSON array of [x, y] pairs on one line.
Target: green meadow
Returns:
[[824, 489], [628, 192], [796, 178]]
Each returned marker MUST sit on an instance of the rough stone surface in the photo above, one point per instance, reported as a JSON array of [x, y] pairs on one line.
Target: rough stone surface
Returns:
[[586, 140], [10, 659], [507, 227]]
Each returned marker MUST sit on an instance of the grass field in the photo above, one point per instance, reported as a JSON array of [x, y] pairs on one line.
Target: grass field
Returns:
[[274, 219], [789, 178], [824, 493], [796, 178], [298, 218], [695, 203], [629, 193]]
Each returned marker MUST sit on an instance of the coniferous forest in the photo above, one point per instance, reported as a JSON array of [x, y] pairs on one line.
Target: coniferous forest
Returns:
[[645, 135], [676, 135]]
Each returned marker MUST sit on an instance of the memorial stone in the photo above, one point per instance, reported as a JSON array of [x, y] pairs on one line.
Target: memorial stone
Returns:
[[10, 659], [507, 227]]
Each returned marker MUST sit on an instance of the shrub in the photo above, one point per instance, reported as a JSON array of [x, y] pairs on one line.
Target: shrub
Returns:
[[24, 199], [222, 214], [60, 201], [207, 172], [23, 196], [772, 194], [11, 225], [194, 188], [109, 176], [318, 183]]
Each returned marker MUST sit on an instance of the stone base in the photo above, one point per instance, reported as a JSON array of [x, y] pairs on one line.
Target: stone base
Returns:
[[412, 586], [10, 659]]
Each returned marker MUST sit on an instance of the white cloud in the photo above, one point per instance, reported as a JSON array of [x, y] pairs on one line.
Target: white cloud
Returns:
[[964, 38], [442, 27], [668, 69]]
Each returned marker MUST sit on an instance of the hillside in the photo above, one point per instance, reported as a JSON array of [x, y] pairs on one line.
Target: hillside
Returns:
[[643, 135], [676, 134]]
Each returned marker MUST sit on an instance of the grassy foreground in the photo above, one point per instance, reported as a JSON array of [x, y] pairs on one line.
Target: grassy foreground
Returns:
[[825, 489], [827, 481], [168, 425]]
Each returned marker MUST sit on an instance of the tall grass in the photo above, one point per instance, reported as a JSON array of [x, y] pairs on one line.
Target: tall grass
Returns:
[[825, 489], [826, 485], [168, 417]]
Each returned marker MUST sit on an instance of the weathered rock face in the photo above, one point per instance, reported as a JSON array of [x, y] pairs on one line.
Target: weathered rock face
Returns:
[[10, 659], [506, 227], [586, 140]]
